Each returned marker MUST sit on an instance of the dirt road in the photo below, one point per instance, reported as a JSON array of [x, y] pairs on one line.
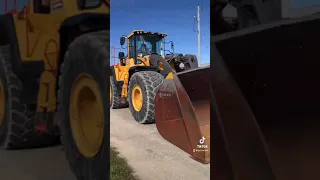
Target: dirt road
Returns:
[[149, 154], [34, 164]]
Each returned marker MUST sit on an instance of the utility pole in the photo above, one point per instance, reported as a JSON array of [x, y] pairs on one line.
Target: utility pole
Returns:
[[199, 38]]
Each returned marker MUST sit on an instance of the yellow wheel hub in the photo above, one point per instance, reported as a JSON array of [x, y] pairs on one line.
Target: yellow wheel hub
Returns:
[[137, 98], [110, 93], [2, 102], [87, 115]]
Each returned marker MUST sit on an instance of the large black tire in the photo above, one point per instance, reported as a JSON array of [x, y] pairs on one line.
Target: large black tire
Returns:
[[149, 82], [115, 101], [191, 61], [17, 129], [89, 53]]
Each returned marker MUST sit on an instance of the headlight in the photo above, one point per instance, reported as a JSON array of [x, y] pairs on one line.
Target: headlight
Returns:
[[181, 66]]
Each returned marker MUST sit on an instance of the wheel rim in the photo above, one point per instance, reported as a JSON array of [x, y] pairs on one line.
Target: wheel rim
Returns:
[[110, 93], [137, 98], [87, 115], [2, 102]]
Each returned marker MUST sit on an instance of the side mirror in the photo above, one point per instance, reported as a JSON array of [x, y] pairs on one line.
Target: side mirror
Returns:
[[121, 55], [122, 40]]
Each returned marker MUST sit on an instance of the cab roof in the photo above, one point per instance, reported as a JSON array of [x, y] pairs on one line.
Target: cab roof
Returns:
[[144, 32]]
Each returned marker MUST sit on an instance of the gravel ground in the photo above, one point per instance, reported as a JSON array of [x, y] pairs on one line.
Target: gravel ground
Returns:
[[34, 164], [151, 156]]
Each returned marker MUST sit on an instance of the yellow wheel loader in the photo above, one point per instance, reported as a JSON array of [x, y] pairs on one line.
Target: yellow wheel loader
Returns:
[[181, 109], [145, 54], [265, 90], [47, 42]]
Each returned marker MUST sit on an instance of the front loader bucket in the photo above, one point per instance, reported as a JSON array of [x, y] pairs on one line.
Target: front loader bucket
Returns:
[[266, 101], [183, 112]]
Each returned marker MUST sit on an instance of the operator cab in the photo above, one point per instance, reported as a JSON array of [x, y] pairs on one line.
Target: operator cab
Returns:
[[47, 6], [141, 44]]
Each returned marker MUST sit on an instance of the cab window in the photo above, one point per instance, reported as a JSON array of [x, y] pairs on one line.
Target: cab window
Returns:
[[88, 4], [41, 6], [148, 44], [132, 52]]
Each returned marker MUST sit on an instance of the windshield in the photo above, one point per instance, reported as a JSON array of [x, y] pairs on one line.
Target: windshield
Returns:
[[148, 44]]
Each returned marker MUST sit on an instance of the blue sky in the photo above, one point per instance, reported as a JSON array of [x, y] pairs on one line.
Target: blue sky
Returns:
[[174, 17]]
